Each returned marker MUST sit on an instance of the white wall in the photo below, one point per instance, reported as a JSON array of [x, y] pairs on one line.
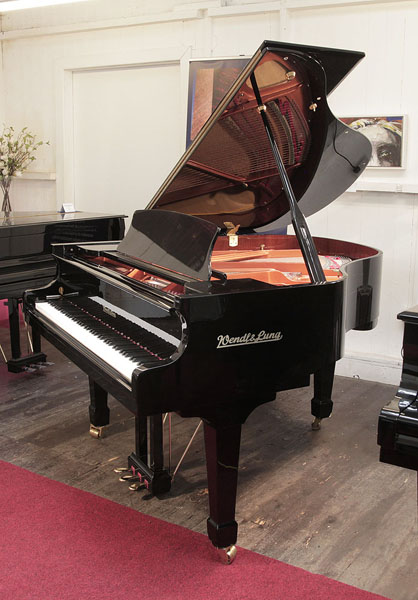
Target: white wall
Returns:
[[53, 56], [118, 146]]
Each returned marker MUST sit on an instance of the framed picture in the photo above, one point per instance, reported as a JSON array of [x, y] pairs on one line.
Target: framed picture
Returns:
[[209, 80], [387, 136]]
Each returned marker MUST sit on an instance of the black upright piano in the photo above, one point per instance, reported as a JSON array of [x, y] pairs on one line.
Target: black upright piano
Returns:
[[200, 309], [398, 420], [26, 261]]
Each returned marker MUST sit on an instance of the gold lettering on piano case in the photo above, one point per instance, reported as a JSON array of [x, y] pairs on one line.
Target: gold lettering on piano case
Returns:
[[226, 341]]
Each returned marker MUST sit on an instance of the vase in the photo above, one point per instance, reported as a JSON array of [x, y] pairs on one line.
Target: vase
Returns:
[[6, 206]]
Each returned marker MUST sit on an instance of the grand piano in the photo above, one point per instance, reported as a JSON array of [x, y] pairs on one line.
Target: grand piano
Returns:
[[26, 261], [201, 309]]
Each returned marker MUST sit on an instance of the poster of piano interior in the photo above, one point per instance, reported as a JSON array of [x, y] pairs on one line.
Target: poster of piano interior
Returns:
[[386, 135], [209, 80]]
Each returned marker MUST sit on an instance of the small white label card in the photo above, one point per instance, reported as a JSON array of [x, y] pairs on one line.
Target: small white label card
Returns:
[[68, 208]]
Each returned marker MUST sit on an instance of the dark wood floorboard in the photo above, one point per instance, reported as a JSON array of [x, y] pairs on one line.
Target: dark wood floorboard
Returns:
[[317, 500]]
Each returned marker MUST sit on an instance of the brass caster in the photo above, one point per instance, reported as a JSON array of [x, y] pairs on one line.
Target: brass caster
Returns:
[[316, 424], [228, 554], [96, 432], [121, 470]]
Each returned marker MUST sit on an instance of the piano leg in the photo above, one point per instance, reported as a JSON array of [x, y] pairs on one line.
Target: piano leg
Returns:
[[141, 438], [36, 340], [148, 466], [13, 305], [98, 409], [321, 404], [222, 444], [19, 363]]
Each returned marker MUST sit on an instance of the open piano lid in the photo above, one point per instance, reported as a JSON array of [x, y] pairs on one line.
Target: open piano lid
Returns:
[[229, 173]]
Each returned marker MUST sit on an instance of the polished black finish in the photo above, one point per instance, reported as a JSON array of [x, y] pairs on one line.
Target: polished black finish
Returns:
[[300, 226], [229, 173], [216, 373], [26, 261], [398, 420], [153, 238], [222, 458], [149, 468], [98, 410], [235, 342]]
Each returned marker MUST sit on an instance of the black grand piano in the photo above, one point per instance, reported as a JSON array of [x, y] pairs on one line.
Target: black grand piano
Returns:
[[26, 261], [200, 309]]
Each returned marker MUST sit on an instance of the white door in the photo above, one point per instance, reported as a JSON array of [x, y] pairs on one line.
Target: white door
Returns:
[[128, 134]]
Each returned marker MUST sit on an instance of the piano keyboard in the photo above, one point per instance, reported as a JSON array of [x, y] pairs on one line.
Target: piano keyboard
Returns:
[[118, 338]]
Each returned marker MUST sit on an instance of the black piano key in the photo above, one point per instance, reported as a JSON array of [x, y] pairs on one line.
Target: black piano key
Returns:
[[128, 338]]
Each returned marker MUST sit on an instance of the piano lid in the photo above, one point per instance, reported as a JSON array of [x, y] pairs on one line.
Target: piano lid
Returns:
[[27, 219], [229, 173]]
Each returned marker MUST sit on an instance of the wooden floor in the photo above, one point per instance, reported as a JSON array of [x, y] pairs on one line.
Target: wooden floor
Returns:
[[317, 500]]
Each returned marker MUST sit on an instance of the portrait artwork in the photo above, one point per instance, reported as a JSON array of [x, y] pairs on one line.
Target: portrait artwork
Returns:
[[386, 135]]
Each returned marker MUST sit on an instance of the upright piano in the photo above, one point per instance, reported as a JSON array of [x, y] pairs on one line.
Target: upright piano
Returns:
[[398, 420], [200, 309], [26, 261]]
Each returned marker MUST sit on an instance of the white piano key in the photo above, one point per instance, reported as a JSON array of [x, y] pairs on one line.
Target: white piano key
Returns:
[[105, 351]]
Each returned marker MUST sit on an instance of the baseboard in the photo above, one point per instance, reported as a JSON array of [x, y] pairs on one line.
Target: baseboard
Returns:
[[371, 368]]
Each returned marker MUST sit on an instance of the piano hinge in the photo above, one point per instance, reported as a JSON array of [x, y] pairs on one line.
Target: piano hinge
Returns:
[[231, 232]]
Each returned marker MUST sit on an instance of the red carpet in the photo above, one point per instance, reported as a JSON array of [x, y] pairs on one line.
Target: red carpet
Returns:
[[60, 543]]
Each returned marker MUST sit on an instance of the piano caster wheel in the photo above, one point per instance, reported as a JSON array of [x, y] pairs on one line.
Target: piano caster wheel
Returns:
[[228, 554], [316, 424], [96, 432]]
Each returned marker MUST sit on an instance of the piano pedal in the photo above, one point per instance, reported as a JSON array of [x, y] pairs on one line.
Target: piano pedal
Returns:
[[96, 432], [121, 470], [134, 487], [32, 367], [131, 477], [316, 424]]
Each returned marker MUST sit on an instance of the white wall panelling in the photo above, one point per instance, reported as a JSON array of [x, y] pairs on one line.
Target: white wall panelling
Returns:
[[57, 61], [121, 124]]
